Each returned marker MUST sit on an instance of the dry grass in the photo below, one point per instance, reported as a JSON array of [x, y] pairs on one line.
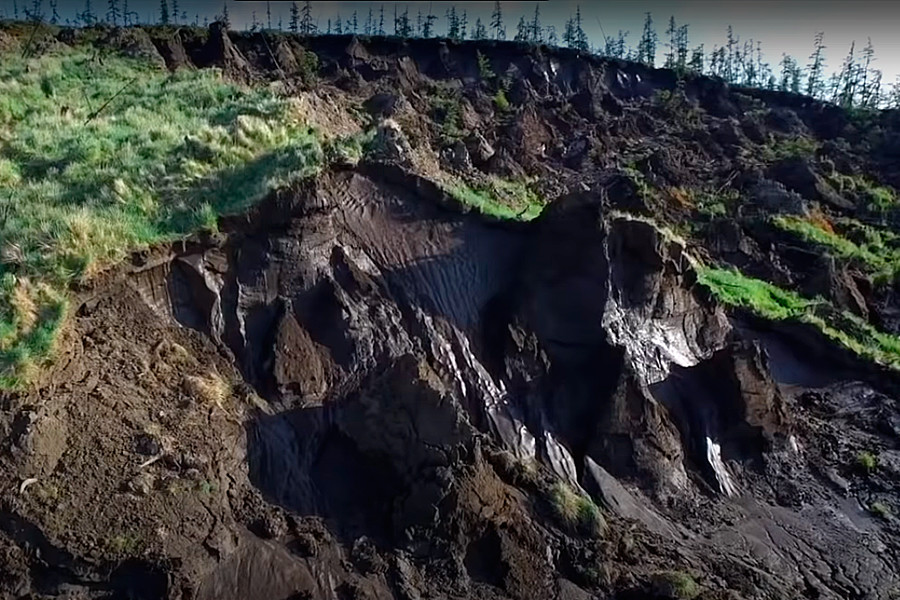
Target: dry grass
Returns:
[[209, 388]]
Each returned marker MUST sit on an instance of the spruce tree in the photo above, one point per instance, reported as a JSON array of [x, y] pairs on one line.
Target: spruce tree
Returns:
[[174, 12], [681, 48], [463, 25], [646, 52], [581, 38], [370, 23], [480, 32], [338, 25], [268, 14], [452, 23], [697, 59], [381, 20], [497, 22], [521, 31], [354, 24], [552, 39], [163, 11], [307, 25], [815, 84], [671, 30], [54, 15], [294, 23], [732, 59], [254, 24], [537, 32], [226, 20], [428, 26], [112, 12], [848, 78]]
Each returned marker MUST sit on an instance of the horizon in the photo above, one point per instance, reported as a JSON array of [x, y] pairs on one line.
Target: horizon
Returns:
[[782, 28]]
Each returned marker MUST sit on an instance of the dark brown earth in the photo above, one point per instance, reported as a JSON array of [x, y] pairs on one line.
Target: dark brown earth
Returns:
[[363, 390]]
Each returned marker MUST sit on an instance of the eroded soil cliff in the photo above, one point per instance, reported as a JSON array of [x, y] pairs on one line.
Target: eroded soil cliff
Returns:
[[364, 388]]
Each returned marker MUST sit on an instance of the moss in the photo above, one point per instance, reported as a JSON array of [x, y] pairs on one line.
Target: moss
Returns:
[[880, 509]]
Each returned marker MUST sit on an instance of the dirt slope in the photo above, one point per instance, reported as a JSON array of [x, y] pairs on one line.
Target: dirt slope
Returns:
[[363, 389]]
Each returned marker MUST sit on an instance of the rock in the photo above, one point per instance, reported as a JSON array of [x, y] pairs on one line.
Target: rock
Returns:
[[576, 152], [773, 197], [479, 149], [797, 173], [147, 444], [390, 145], [457, 156], [382, 105]]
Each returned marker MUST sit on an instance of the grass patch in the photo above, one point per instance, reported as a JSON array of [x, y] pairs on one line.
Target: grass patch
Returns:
[[880, 509], [501, 198], [576, 511], [794, 147], [772, 302], [98, 159], [675, 584], [877, 197], [870, 250], [866, 461]]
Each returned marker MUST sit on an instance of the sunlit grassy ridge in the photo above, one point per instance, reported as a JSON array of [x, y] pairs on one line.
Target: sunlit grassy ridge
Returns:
[[501, 198], [877, 251], [83, 182], [772, 302]]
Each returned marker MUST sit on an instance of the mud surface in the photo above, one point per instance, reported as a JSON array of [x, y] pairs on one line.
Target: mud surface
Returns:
[[361, 390]]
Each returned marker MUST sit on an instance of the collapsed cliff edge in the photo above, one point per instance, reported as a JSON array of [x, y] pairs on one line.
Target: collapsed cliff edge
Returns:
[[365, 388]]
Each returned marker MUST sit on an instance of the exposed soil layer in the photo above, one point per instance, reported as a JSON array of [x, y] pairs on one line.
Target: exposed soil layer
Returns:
[[361, 389]]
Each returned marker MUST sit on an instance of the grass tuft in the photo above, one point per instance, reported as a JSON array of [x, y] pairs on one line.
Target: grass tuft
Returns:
[[576, 511]]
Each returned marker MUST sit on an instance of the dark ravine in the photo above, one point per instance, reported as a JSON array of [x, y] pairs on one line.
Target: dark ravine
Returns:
[[360, 389]]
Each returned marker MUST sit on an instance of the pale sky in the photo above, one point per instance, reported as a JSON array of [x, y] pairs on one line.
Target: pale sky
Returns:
[[781, 26]]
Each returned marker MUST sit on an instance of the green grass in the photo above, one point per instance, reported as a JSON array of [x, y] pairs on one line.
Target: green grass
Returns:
[[676, 584], [576, 511], [501, 198], [772, 302], [870, 249], [83, 182], [877, 197], [866, 461], [794, 147]]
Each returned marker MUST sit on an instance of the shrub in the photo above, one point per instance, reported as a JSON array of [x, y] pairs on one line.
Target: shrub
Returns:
[[500, 100], [484, 67]]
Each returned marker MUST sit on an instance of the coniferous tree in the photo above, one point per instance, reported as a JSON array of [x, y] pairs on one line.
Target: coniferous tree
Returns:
[[536, 32], [428, 25], [581, 39], [681, 48], [35, 13], [354, 24], [338, 25], [787, 71], [294, 23], [452, 23], [54, 15], [732, 56], [268, 14], [697, 59], [163, 11], [480, 32], [174, 11], [848, 80], [552, 39], [226, 20], [370, 23], [463, 25], [419, 23], [112, 12], [307, 25], [671, 30], [892, 99], [815, 85], [254, 24], [328, 26], [569, 33], [717, 61], [15, 10], [870, 85], [521, 31], [381, 20], [646, 52], [497, 22], [404, 27]]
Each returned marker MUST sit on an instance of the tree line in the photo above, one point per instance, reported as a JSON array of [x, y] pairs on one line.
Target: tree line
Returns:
[[857, 83]]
